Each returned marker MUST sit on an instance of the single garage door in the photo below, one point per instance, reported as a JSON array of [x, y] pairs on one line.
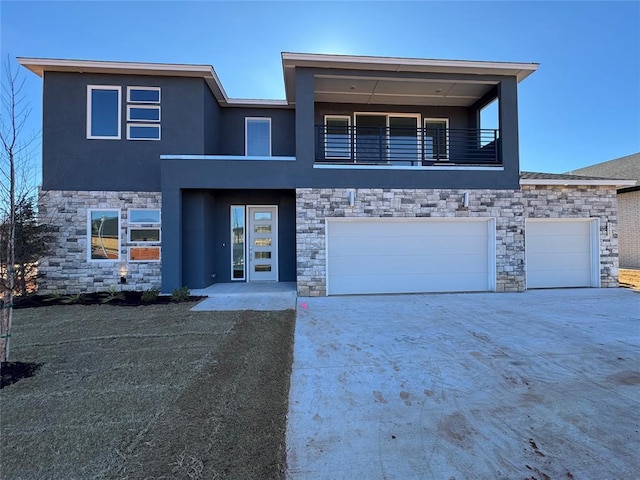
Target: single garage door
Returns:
[[562, 253], [410, 255]]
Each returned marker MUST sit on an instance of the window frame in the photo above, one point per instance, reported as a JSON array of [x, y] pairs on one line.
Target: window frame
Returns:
[[130, 222], [144, 242], [146, 125], [89, 235], [244, 249], [247, 120], [143, 107], [349, 136], [154, 247], [424, 139], [148, 102], [90, 89]]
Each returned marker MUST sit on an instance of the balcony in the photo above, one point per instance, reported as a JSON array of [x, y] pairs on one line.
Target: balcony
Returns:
[[407, 147]]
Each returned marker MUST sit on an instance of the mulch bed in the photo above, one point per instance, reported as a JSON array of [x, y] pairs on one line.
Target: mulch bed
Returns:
[[125, 298], [15, 371]]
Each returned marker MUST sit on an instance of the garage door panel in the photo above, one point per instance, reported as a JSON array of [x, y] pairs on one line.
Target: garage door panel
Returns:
[[571, 278], [402, 283], [559, 253], [371, 245], [415, 255], [568, 243], [402, 228], [431, 264], [558, 261]]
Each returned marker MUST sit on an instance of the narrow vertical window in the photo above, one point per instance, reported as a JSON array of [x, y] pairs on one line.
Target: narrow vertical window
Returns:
[[258, 137], [237, 243], [103, 112], [337, 139], [103, 231], [436, 138]]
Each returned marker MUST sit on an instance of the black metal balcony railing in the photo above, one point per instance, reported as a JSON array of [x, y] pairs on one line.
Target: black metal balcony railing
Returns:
[[407, 146]]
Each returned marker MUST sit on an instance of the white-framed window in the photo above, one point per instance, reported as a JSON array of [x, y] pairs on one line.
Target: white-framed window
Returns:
[[143, 95], [143, 113], [143, 131], [103, 235], [257, 138], [144, 254], [238, 231], [436, 138], [337, 136], [144, 235], [143, 216], [104, 112]]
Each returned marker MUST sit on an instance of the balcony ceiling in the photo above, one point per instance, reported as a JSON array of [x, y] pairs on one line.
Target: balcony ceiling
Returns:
[[386, 91]]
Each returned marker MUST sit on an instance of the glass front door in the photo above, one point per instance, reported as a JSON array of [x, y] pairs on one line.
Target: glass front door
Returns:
[[262, 250]]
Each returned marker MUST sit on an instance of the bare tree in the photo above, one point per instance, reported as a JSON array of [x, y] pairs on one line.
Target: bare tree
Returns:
[[14, 187]]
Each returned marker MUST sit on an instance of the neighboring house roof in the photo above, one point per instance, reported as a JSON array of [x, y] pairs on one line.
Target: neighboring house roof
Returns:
[[538, 178], [627, 168]]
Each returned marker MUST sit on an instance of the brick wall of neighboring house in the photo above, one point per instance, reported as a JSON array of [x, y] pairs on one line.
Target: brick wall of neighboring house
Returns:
[[508, 207], [629, 229], [66, 269]]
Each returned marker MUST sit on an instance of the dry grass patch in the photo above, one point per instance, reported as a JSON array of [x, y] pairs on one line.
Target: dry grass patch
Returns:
[[148, 392], [629, 278]]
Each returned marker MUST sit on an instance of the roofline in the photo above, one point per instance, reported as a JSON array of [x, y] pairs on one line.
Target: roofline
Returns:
[[41, 65], [403, 63], [599, 181]]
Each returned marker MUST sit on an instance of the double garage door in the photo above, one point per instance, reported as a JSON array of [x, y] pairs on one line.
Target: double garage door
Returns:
[[451, 255], [410, 255]]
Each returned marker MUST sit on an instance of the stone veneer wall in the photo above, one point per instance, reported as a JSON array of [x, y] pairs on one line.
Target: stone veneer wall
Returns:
[[67, 269], [509, 207], [584, 201]]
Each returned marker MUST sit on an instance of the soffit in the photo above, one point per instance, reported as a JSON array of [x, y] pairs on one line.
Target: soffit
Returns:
[[367, 90]]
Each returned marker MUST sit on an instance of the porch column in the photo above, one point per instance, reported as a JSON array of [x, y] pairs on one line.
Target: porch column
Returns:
[[508, 118], [171, 239], [305, 131]]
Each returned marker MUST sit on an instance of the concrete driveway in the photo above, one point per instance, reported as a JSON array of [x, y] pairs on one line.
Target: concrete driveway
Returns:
[[537, 385]]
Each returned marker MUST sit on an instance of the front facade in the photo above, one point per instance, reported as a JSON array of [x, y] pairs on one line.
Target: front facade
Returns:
[[375, 175]]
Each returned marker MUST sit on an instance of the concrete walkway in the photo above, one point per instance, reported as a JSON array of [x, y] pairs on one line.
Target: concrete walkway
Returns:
[[537, 385], [263, 296]]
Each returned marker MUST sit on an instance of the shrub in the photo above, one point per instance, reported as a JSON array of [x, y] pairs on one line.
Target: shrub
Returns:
[[113, 294], [150, 295], [181, 294], [72, 299]]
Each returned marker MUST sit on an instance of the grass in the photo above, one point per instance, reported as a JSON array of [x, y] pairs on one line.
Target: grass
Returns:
[[629, 278], [154, 392]]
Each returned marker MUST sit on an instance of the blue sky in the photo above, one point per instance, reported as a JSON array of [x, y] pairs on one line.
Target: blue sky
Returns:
[[581, 107]]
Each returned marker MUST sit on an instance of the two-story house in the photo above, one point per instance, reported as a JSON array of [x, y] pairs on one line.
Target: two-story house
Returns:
[[374, 175]]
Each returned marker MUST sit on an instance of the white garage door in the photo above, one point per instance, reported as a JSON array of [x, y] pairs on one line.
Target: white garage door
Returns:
[[560, 253], [410, 255]]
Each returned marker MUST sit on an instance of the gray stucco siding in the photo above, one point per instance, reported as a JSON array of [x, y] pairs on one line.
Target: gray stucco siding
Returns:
[[73, 162], [232, 130]]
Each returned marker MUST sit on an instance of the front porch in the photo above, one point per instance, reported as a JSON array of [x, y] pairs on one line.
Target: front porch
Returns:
[[260, 296]]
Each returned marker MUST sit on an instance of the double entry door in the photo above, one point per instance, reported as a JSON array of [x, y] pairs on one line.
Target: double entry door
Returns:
[[257, 259], [386, 138]]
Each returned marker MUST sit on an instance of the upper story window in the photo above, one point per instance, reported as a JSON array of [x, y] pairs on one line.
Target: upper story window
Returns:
[[143, 113], [104, 107], [257, 136], [143, 95], [337, 136]]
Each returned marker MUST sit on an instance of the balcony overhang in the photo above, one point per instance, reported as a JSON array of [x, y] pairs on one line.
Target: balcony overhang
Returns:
[[400, 81]]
